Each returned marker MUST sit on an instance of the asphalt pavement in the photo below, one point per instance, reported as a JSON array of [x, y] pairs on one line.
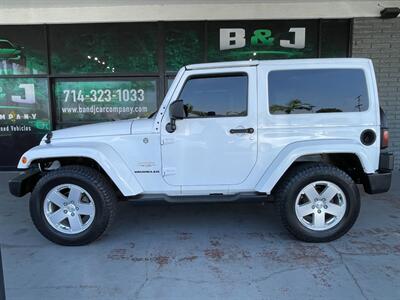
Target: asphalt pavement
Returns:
[[203, 251]]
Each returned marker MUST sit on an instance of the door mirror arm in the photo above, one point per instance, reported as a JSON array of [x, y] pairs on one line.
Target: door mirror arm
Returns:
[[171, 126]]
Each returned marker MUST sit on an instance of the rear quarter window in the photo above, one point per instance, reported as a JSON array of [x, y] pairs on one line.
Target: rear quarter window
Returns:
[[317, 91]]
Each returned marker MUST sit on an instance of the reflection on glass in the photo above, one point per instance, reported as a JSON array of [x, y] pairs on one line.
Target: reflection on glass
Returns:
[[317, 91], [184, 44], [104, 48], [292, 106], [217, 96]]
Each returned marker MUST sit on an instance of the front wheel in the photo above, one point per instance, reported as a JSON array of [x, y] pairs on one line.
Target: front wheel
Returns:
[[318, 202], [72, 205]]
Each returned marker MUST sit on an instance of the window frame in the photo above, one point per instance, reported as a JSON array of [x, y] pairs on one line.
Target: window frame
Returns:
[[214, 75], [328, 67]]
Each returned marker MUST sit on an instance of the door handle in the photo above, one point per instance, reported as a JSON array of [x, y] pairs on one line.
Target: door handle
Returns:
[[242, 130]]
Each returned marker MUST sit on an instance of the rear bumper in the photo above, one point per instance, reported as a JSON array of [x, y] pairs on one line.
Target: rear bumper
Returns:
[[386, 162], [24, 182], [380, 181], [377, 183]]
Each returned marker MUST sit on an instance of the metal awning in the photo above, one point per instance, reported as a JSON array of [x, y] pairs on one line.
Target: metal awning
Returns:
[[95, 11]]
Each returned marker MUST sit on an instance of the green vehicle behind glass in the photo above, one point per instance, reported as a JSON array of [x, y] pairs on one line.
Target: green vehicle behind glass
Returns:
[[11, 52]]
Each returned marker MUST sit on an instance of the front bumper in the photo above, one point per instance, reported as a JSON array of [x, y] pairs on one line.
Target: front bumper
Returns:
[[24, 183], [380, 181]]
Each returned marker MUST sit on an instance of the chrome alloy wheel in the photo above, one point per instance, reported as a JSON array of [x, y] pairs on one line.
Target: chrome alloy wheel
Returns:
[[69, 209], [320, 205]]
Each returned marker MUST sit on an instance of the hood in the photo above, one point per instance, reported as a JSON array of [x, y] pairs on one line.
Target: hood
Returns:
[[142, 126], [111, 128]]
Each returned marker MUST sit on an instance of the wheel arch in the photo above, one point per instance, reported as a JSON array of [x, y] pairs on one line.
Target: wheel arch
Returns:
[[44, 163], [96, 155], [347, 155]]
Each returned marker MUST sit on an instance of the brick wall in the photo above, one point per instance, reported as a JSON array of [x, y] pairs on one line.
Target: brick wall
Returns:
[[379, 40]]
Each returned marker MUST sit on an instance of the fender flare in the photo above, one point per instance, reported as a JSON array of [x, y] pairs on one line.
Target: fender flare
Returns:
[[293, 151], [111, 162]]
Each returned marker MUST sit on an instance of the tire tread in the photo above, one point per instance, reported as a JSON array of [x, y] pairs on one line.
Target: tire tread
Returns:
[[97, 180], [295, 175]]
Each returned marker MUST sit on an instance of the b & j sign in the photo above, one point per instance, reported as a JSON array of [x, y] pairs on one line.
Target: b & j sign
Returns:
[[24, 106], [234, 38], [244, 40]]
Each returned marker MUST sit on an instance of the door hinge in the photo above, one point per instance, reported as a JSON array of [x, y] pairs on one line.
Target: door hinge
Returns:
[[169, 171]]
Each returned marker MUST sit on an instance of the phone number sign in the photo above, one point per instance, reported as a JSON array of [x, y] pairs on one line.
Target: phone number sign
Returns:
[[102, 100]]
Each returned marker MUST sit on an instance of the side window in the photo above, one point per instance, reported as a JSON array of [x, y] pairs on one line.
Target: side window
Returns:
[[317, 91], [215, 96]]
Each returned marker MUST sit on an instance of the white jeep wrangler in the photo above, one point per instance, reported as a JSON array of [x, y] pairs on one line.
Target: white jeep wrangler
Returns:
[[303, 131]]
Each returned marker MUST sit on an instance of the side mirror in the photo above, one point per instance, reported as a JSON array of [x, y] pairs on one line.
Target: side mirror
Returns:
[[176, 112]]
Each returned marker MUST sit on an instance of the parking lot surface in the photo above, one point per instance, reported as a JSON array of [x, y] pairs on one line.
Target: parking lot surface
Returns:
[[203, 251]]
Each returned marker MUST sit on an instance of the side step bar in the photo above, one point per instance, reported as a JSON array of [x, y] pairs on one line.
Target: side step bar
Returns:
[[213, 198]]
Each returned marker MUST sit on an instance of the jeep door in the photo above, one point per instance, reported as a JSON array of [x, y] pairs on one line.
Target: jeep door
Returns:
[[216, 142]]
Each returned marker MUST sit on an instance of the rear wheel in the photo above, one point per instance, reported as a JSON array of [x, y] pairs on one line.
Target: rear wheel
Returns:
[[72, 205], [318, 202]]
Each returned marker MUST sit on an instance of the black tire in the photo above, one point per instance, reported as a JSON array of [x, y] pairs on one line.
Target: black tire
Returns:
[[94, 183], [299, 177]]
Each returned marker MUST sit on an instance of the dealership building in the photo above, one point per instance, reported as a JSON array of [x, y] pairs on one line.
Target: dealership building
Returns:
[[66, 63]]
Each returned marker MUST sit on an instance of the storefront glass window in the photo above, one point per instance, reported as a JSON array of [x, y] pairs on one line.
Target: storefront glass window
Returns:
[[184, 44], [98, 100], [104, 48], [110, 71], [24, 116], [170, 80], [22, 50], [335, 38]]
